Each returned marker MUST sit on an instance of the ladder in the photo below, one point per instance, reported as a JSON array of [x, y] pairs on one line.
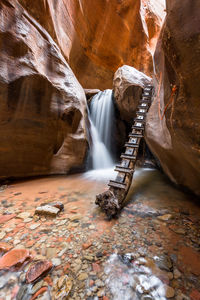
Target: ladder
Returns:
[[111, 201]]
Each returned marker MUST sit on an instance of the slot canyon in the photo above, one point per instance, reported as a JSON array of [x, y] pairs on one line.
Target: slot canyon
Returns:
[[100, 149]]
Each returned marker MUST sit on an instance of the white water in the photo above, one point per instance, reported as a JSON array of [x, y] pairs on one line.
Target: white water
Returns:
[[101, 118]]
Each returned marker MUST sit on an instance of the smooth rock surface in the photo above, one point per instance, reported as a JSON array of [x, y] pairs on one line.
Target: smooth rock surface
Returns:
[[15, 257], [37, 270], [42, 105], [99, 37], [127, 85], [47, 210], [174, 139]]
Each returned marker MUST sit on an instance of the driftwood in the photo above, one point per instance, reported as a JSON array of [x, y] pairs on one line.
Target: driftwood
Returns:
[[111, 201]]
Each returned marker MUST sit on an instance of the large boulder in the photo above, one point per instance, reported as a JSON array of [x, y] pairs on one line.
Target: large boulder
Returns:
[[42, 105], [173, 127], [127, 85], [98, 37]]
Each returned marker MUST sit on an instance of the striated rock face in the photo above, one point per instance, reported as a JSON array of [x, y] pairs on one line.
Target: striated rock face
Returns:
[[99, 37], [127, 85], [174, 136], [42, 105]]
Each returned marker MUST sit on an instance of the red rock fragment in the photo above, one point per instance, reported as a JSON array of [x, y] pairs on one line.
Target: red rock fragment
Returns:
[[4, 247], [14, 292], [41, 291], [5, 218], [105, 298], [86, 245], [195, 295], [96, 268], [37, 270], [15, 257]]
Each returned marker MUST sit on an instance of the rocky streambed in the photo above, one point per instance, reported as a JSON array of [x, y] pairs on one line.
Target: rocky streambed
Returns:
[[152, 251]]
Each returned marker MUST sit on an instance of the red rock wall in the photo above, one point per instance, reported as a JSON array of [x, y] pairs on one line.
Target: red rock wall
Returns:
[[42, 105], [98, 37], [175, 139]]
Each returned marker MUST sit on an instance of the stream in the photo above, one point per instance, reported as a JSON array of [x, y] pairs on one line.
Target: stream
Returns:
[[150, 252]]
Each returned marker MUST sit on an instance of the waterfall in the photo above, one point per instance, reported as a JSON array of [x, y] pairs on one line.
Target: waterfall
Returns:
[[101, 117]]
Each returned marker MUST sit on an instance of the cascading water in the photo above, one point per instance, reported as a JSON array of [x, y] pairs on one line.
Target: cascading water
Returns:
[[101, 120], [101, 115]]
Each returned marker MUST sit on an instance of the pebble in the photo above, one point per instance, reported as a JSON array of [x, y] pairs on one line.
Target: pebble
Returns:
[[47, 210], [56, 262], [36, 287], [165, 217], [34, 226], [177, 274], [37, 269], [2, 235], [24, 215], [169, 291], [82, 276]]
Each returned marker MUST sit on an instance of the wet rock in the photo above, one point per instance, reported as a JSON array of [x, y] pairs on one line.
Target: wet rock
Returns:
[[37, 286], [34, 226], [177, 274], [90, 93], [82, 276], [5, 218], [86, 246], [164, 263], [47, 210], [58, 205], [24, 215], [2, 235], [37, 270], [195, 295], [165, 217], [169, 291], [41, 291], [127, 85], [63, 287], [5, 247], [15, 257], [56, 261]]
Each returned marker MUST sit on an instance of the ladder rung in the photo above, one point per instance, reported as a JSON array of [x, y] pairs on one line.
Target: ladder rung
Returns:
[[116, 184], [126, 156], [131, 145], [135, 135], [123, 169]]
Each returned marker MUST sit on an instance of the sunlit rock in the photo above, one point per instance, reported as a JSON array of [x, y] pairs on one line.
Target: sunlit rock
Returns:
[[99, 37]]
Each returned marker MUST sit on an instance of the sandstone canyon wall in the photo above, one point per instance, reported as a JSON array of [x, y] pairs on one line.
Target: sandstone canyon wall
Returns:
[[174, 137], [42, 105], [98, 37]]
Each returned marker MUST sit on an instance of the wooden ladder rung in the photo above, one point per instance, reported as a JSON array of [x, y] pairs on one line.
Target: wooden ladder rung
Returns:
[[135, 135], [126, 156], [131, 145], [116, 184], [123, 170]]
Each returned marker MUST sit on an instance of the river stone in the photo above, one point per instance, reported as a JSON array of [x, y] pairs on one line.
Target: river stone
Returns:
[[24, 215], [47, 210], [82, 276], [169, 291], [13, 258], [37, 270]]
